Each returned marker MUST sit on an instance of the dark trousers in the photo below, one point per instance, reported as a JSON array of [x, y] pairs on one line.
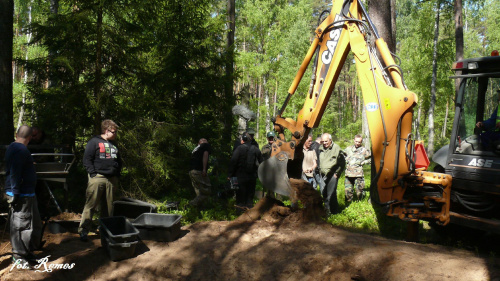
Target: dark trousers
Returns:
[[319, 180], [246, 191], [25, 227], [489, 138], [329, 193], [43, 199]]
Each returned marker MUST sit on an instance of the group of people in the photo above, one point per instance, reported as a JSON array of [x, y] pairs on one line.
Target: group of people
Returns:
[[244, 162], [324, 162], [103, 164]]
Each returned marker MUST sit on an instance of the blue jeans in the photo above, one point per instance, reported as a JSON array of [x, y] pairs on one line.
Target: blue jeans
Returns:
[[311, 180]]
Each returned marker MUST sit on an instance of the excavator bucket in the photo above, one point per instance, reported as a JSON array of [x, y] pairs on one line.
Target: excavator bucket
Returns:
[[273, 174]]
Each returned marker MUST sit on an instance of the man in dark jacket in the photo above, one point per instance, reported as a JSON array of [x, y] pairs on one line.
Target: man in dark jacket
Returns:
[[241, 169], [20, 182], [198, 172], [251, 132], [103, 164]]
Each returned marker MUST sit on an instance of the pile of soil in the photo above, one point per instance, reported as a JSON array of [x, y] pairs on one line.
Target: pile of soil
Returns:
[[267, 242], [67, 217]]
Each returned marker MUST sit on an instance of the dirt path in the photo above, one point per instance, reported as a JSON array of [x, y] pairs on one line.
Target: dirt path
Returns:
[[259, 250]]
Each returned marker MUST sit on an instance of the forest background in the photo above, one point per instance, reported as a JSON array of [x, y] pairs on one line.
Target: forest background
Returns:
[[162, 69]]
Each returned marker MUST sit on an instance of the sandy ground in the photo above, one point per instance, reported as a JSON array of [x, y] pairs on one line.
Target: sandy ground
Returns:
[[257, 247]]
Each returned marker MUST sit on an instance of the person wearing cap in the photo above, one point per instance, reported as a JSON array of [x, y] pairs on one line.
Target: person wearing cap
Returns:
[[253, 142], [268, 147]]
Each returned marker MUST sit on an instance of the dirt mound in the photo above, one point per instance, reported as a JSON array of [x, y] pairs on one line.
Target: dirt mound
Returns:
[[257, 250], [268, 242], [67, 217], [273, 211]]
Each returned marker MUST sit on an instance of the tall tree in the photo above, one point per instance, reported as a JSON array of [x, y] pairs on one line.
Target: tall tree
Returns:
[[228, 89], [459, 39], [430, 145], [6, 43], [382, 19], [459, 30]]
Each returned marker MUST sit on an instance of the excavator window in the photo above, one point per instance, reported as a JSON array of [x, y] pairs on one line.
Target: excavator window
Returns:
[[479, 101]]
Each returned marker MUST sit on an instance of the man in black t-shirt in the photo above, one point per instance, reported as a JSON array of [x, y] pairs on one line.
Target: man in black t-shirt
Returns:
[[198, 172]]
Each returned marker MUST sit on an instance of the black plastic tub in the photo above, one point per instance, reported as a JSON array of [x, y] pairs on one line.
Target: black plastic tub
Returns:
[[132, 208], [118, 251], [118, 230], [158, 227], [62, 226]]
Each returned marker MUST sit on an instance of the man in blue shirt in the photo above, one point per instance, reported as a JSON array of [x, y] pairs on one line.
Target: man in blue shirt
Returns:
[[20, 182], [491, 128]]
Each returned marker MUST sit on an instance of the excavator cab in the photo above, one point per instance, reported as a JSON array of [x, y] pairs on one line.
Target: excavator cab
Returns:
[[473, 156]]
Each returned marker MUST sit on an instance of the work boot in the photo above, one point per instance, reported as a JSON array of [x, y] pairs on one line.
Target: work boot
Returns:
[[84, 237], [23, 263]]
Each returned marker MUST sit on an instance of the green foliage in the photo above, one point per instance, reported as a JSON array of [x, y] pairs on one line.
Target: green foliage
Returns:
[[415, 46], [214, 209], [362, 216], [158, 74]]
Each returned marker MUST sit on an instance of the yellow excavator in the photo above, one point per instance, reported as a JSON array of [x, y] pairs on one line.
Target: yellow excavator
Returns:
[[400, 183]]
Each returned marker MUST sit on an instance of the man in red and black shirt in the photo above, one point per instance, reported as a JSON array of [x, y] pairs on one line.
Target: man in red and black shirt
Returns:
[[103, 164]]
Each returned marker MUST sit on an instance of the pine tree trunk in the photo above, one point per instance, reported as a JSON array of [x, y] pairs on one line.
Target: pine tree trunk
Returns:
[[365, 130], [25, 78], [393, 24], [416, 127], [459, 31], [459, 37], [228, 88], [258, 108], [382, 19], [443, 133], [98, 72], [54, 10], [430, 145], [6, 44], [275, 99], [268, 112]]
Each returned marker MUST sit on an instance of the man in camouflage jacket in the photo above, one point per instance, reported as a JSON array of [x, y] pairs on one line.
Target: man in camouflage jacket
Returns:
[[357, 156]]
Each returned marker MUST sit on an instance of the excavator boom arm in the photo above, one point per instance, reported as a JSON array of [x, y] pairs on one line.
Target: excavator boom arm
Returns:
[[389, 111]]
